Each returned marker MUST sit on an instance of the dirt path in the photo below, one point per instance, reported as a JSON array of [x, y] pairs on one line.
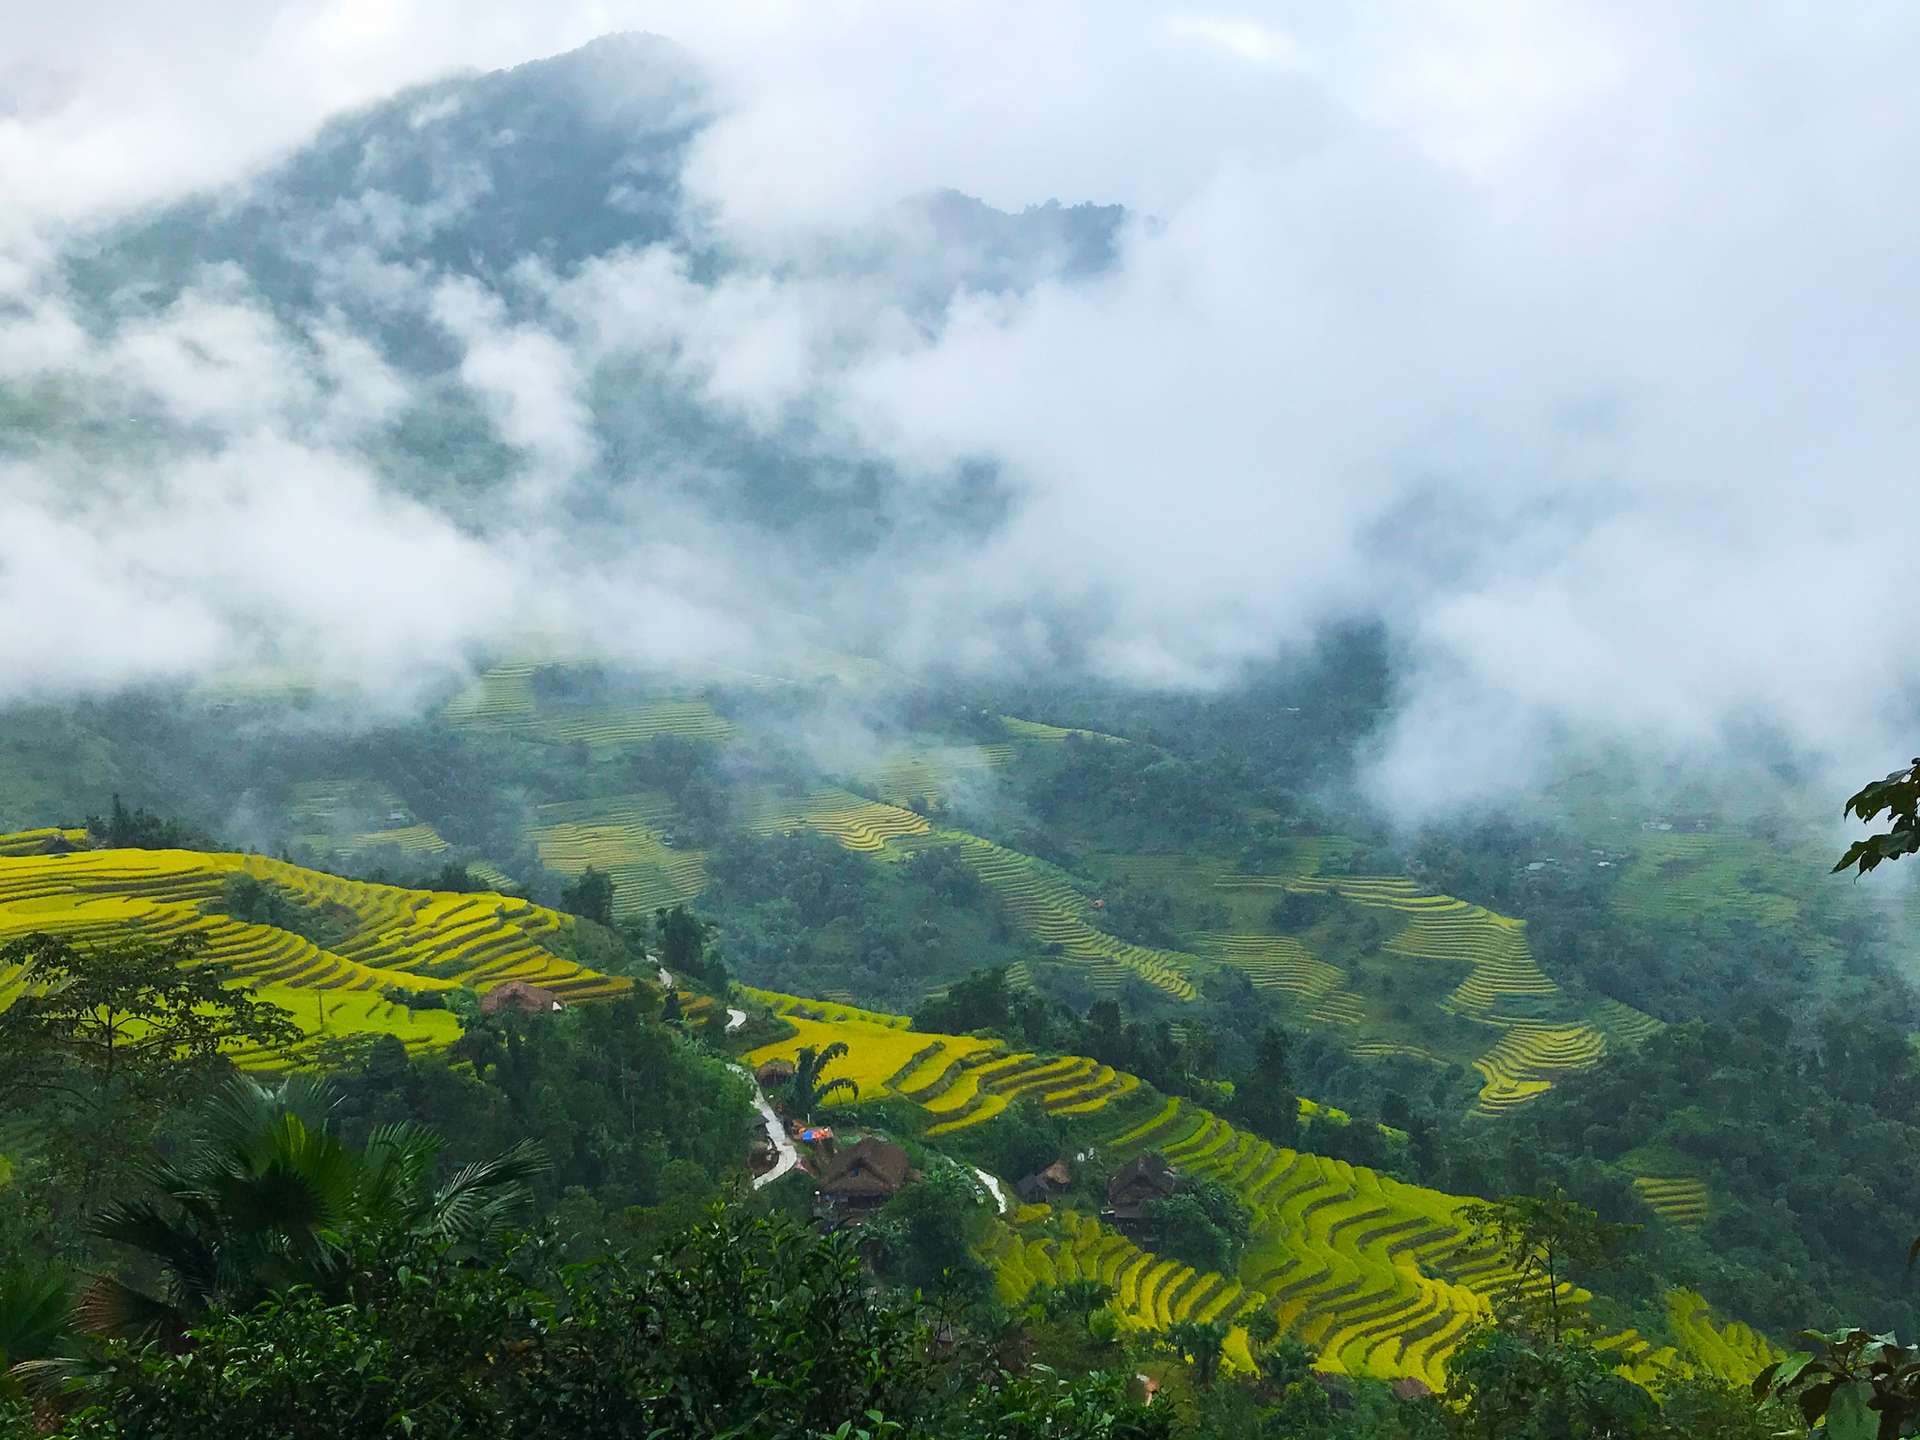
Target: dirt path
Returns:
[[787, 1156], [992, 1182], [735, 1019]]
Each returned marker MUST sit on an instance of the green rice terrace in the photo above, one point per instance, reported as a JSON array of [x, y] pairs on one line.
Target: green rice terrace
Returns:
[[378, 940], [1381, 1277], [1464, 989]]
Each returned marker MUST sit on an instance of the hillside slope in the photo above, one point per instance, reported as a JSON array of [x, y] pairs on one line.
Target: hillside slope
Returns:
[[369, 961]]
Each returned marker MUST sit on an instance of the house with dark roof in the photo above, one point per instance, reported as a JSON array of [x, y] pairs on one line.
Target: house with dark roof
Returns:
[[519, 995], [1043, 1187], [1131, 1194], [861, 1178]]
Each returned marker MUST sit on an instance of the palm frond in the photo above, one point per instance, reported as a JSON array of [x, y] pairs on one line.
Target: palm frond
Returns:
[[35, 1310], [834, 1087], [112, 1308], [481, 1197]]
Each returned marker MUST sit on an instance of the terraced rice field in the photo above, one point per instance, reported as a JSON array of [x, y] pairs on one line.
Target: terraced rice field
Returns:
[[1730, 1349], [614, 727], [1045, 903], [355, 817], [1678, 1200], [1038, 730], [503, 699], [36, 842], [1150, 1292], [1379, 1276], [1513, 1070], [334, 1015], [1501, 977], [1279, 962], [1623, 1025], [1698, 875], [624, 836], [1380, 1049], [1383, 1278], [864, 826], [959, 1080], [412, 839], [501, 696], [929, 776], [411, 939], [882, 1059], [830, 1011]]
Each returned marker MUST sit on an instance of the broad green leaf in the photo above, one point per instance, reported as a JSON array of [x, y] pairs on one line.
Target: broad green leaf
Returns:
[[1849, 1415]]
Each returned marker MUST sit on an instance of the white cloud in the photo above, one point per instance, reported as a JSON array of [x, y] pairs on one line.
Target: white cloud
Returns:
[[1249, 39], [1574, 340]]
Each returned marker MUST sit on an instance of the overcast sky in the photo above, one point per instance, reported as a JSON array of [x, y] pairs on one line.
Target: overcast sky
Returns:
[[1578, 341]]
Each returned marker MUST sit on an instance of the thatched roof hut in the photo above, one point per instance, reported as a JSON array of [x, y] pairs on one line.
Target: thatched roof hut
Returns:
[[519, 995]]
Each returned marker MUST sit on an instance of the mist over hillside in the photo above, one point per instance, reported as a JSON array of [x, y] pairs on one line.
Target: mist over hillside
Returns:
[[352, 417], [1092, 719]]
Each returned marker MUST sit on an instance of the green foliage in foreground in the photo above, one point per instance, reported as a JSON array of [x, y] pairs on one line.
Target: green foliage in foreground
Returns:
[[1861, 1386], [748, 1327], [1898, 798]]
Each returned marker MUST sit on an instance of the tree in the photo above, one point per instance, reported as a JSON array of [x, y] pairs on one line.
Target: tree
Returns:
[[35, 1315], [1504, 1386], [1201, 1344], [1202, 1223], [1080, 1299], [136, 1014], [273, 1196], [982, 1001], [743, 1326], [1898, 798], [929, 1230], [1263, 1097], [1543, 1236], [457, 879], [1864, 1386], [590, 896], [124, 829], [683, 940], [807, 1088], [1023, 1139]]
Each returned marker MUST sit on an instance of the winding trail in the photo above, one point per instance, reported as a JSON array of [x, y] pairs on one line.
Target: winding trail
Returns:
[[735, 1019], [788, 1157], [992, 1182]]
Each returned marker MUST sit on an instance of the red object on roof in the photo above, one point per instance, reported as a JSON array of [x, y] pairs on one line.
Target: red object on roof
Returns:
[[814, 1134]]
